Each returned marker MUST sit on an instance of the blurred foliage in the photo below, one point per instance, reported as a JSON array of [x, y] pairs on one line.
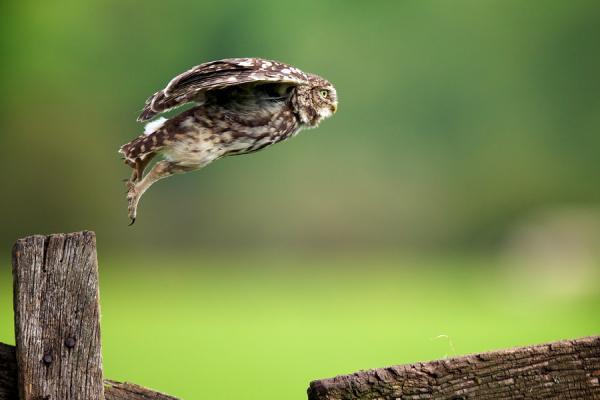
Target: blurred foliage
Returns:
[[457, 119]]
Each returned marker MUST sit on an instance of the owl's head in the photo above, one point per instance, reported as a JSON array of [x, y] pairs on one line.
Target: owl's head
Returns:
[[316, 101]]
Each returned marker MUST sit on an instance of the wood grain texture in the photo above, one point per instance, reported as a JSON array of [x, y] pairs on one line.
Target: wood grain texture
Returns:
[[112, 390], [568, 369], [129, 391], [57, 326]]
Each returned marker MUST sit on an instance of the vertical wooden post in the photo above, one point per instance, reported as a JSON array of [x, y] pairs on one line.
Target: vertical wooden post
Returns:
[[57, 325]]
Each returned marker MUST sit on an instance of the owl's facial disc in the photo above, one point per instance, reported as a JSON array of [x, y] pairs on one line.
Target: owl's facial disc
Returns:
[[325, 101], [315, 101]]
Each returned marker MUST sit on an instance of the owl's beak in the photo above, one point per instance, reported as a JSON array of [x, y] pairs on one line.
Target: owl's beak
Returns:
[[333, 108]]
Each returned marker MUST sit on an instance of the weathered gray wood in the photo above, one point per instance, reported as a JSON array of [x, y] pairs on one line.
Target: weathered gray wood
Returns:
[[129, 391], [568, 369], [58, 353], [112, 390], [57, 325]]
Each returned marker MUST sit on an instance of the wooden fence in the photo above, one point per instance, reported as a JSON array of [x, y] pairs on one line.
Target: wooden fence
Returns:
[[57, 327], [565, 370], [58, 356]]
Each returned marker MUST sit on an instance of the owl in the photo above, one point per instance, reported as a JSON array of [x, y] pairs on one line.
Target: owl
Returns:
[[242, 105]]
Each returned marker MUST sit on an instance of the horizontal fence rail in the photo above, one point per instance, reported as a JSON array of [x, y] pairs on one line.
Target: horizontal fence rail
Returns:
[[568, 369]]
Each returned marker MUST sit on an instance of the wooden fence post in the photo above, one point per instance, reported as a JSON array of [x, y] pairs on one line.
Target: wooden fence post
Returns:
[[57, 326], [564, 370]]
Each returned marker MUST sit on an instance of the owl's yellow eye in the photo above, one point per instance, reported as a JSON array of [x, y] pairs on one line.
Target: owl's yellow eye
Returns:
[[324, 93]]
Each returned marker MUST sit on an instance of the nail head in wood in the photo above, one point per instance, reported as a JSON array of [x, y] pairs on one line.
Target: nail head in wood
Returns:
[[70, 342], [47, 359]]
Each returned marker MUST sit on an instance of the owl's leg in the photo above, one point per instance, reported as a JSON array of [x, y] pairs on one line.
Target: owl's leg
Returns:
[[139, 166], [161, 169]]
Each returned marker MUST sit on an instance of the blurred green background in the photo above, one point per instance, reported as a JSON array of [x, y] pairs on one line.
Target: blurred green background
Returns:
[[452, 205]]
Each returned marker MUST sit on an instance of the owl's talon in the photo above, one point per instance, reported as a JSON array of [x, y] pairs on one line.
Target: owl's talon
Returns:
[[133, 198]]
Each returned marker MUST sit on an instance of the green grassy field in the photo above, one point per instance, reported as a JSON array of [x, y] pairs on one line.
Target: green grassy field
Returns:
[[263, 330]]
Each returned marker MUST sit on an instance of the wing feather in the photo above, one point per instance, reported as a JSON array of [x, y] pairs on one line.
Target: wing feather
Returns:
[[193, 84]]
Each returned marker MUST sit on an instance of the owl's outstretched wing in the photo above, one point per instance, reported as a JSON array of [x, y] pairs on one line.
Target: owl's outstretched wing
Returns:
[[191, 85]]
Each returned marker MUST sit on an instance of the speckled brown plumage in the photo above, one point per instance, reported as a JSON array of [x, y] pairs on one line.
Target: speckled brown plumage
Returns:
[[243, 105]]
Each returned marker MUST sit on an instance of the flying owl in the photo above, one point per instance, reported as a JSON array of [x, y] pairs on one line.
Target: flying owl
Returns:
[[242, 105]]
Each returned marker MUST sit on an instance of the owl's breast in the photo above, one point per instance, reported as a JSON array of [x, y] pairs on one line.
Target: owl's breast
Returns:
[[243, 133]]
